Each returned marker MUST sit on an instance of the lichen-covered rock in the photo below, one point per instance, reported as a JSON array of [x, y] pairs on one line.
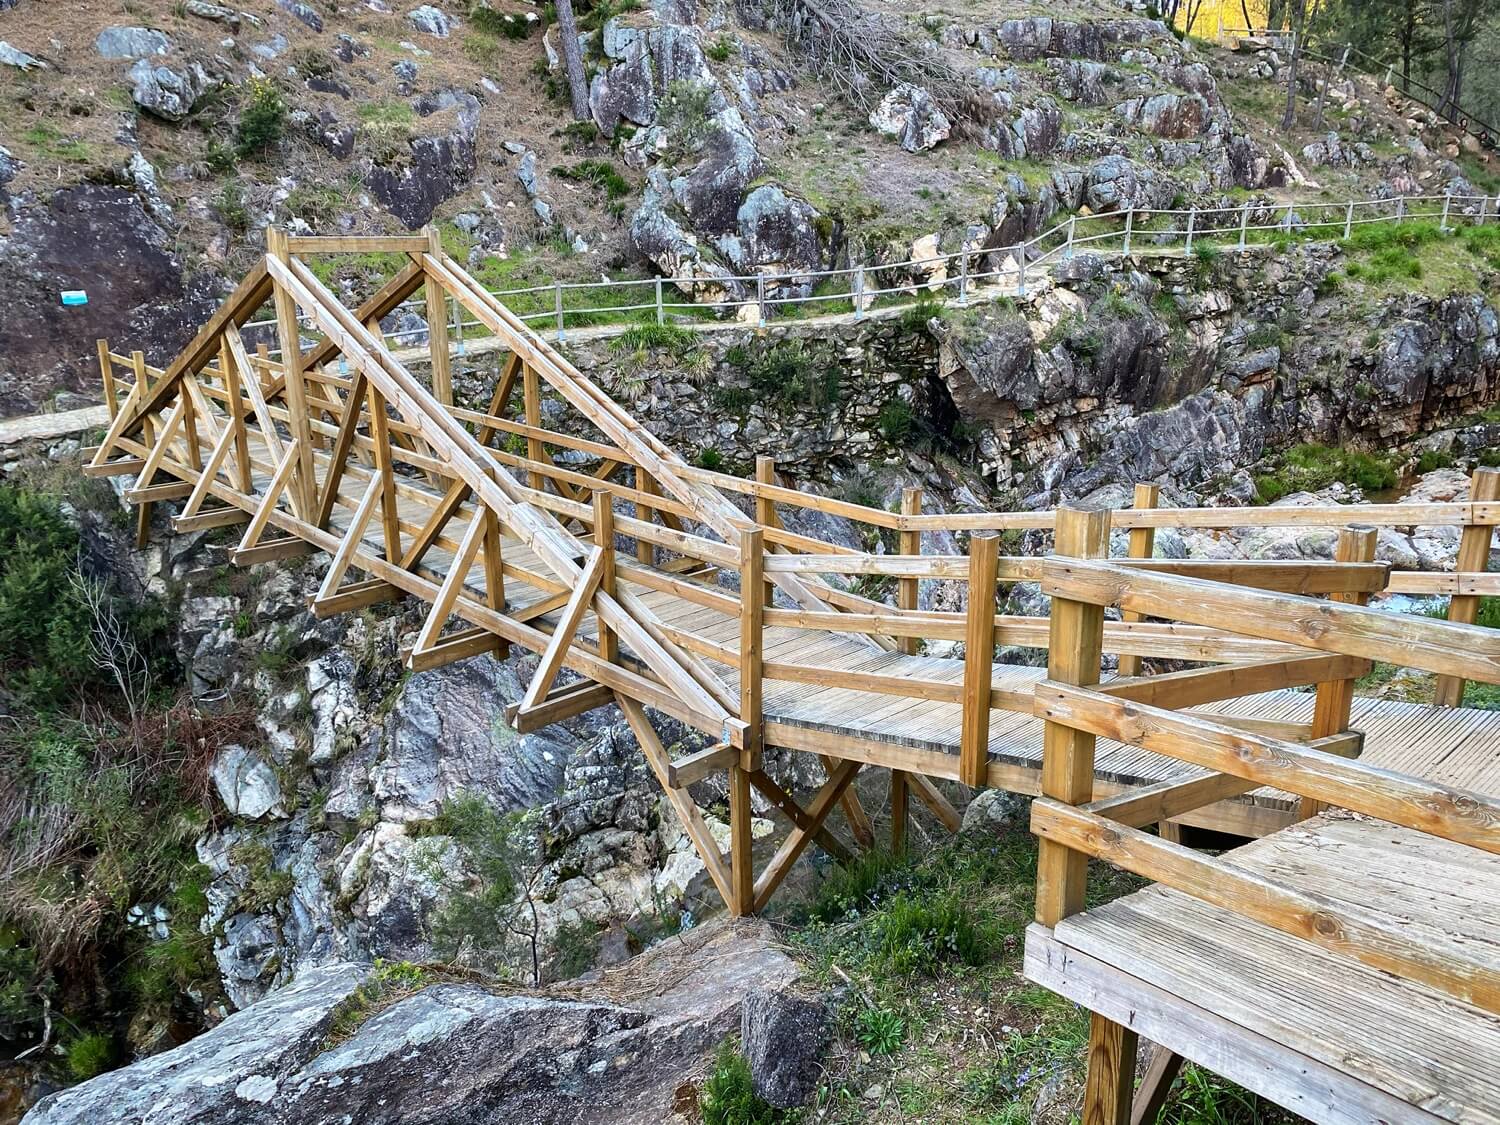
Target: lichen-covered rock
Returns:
[[167, 93], [775, 233], [14, 56], [431, 21], [302, 12], [910, 115], [130, 43], [783, 1036]]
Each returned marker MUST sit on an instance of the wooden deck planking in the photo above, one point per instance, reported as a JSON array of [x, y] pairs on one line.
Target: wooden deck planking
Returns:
[[1408, 1041]]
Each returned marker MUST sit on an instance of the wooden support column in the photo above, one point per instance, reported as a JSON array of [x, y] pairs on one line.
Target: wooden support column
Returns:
[[979, 657], [531, 389], [1111, 1078], [437, 325], [380, 437], [910, 543], [900, 798], [1473, 555], [301, 486], [1142, 543], [1336, 697], [765, 507], [229, 366], [107, 377], [645, 550], [752, 607], [148, 432], [604, 539], [494, 575], [1075, 640]]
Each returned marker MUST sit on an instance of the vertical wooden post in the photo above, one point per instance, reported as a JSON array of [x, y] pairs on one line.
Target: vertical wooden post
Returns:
[[143, 380], [380, 437], [143, 523], [765, 507], [1336, 697], [494, 574], [190, 427], [909, 543], [107, 377], [1142, 543], [900, 798], [979, 657], [301, 488], [531, 388], [232, 376], [1075, 640], [437, 325], [645, 550], [1074, 645], [752, 583], [1111, 1078], [1473, 555], [604, 539]]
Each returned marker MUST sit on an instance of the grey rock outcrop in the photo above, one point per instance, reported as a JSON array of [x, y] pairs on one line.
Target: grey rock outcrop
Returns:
[[456, 1054], [130, 43], [431, 20], [910, 115], [14, 56], [167, 92], [783, 1036]]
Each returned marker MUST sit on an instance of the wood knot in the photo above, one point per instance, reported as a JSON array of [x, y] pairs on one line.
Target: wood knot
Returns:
[[1326, 925]]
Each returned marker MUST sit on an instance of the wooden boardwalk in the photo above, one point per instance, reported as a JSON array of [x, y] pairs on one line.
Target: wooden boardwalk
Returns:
[[645, 583]]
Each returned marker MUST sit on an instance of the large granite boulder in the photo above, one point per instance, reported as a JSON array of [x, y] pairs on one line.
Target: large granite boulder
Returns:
[[453, 1053], [910, 115]]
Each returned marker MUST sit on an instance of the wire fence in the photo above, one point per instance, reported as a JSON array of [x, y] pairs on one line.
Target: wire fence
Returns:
[[972, 274]]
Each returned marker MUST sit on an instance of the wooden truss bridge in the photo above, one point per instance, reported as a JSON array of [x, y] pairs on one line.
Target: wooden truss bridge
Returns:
[[1346, 963]]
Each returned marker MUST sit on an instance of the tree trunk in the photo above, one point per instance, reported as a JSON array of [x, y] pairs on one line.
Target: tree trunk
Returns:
[[578, 82], [1289, 118]]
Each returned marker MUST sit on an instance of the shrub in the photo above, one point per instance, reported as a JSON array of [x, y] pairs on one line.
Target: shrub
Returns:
[[896, 421], [263, 120], [1310, 466], [601, 173], [711, 459], [89, 1055], [720, 49], [44, 623], [919, 933], [784, 374], [508, 25], [653, 337], [685, 113], [729, 1097], [1433, 459]]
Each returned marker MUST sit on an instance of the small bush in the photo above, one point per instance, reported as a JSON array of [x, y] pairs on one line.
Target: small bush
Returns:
[[917, 934], [653, 337], [729, 1097], [507, 25], [685, 113], [720, 49], [89, 1055], [711, 459], [1310, 466], [786, 374], [1434, 459], [601, 173], [263, 120], [896, 421]]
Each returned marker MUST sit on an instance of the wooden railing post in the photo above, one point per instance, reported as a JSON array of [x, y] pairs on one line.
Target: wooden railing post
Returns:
[[289, 332], [1335, 698], [604, 539], [1076, 638], [494, 574], [1075, 642], [645, 550], [531, 389], [437, 325], [1473, 555], [765, 507], [1142, 543], [909, 543], [752, 611], [979, 657]]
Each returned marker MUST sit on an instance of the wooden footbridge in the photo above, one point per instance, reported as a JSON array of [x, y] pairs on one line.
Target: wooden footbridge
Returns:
[[1345, 964]]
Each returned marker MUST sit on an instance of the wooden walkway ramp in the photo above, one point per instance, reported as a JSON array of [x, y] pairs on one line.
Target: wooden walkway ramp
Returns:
[[543, 516]]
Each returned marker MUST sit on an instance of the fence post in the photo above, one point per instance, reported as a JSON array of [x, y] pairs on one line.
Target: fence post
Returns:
[[859, 292], [1336, 697], [1129, 226], [1244, 223], [604, 539], [1142, 543], [979, 657], [661, 311], [1473, 555], [1484, 203], [760, 298], [1286, 220], [558, 304], [1348, 220], [1019, 253], [752, 618], [963, 278], [1447, 202], [1075, 637], [645, 550], [1400, 207], [765, 507], [458, 323], [909, 543], [1192, 222]]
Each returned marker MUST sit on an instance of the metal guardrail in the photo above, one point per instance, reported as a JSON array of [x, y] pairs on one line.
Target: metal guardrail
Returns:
[[971, 274]]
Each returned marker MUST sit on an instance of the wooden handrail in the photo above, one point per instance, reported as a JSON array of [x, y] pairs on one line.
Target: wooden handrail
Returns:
[[1436, 646]]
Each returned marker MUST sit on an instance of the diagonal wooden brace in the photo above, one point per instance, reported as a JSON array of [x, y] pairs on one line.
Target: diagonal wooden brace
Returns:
[[567, 628]]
